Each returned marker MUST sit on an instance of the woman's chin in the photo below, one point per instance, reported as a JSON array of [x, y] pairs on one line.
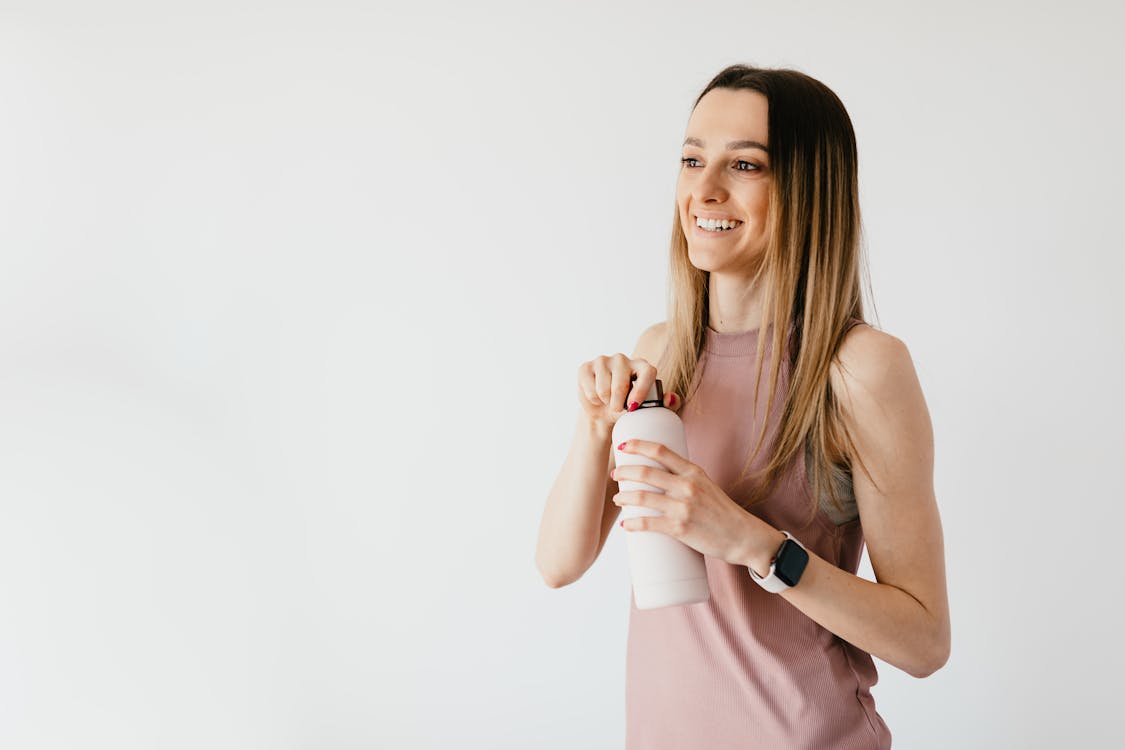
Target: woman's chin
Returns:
[[710, 261], [706, 259]]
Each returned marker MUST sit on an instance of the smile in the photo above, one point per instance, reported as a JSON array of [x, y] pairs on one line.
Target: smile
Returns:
[[712, 229]]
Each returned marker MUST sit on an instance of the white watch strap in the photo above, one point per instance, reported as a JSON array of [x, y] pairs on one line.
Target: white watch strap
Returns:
[[771, 582]]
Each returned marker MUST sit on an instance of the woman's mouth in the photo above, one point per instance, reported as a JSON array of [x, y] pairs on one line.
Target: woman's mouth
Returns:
[[712, 229]]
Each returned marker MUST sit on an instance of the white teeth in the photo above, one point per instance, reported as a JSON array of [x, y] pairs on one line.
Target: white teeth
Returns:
[[716, 225]]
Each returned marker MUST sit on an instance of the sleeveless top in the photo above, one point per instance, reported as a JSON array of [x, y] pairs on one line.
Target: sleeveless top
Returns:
[[746, 669]]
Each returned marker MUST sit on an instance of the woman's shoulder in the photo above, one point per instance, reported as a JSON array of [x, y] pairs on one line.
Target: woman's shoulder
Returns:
[[869, 360], [652, 342], [863, 343]]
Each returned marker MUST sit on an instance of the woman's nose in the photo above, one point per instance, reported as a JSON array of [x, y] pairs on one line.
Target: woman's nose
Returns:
[[710, 185]]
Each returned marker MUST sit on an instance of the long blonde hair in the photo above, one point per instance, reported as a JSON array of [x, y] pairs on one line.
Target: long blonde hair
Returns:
[[810, 272]]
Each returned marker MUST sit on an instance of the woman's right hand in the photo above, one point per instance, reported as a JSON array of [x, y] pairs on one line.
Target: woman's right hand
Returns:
[[608, 384]]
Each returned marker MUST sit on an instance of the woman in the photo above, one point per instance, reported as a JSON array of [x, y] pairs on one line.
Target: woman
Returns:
[[767, 230]]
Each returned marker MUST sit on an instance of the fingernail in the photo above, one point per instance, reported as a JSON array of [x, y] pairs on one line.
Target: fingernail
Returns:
[[621, 447], [633, 406], [672, 399], [622, 524]]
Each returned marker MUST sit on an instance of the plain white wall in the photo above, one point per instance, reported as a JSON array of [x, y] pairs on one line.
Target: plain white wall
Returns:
[[292, 299]]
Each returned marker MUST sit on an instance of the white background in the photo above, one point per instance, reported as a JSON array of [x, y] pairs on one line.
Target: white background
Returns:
[[292, 300]]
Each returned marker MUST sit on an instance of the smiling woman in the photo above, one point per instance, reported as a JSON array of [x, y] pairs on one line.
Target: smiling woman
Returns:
[[785, 484]]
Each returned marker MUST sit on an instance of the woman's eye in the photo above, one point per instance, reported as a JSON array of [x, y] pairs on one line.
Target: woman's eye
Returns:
[[754, 167]]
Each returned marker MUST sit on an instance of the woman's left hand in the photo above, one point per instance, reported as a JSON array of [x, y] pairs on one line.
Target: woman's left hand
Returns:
[[696, 510]]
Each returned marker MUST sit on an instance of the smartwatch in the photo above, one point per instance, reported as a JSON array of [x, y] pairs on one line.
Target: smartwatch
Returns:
[[786, 566]]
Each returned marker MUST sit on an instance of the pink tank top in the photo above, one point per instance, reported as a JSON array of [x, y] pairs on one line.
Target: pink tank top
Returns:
[[747, 669]]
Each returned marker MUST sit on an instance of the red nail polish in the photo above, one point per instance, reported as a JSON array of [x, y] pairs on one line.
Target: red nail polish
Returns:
[[633, 406], [622, 524], [621, 447], [672, 400]]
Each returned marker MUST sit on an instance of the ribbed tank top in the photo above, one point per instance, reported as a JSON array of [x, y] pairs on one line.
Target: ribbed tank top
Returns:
[[746, 669]]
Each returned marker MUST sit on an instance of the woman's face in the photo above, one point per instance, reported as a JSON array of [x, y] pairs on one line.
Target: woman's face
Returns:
[[717, 182]]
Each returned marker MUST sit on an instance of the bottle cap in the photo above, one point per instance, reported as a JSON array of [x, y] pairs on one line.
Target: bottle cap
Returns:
[[655, 395]]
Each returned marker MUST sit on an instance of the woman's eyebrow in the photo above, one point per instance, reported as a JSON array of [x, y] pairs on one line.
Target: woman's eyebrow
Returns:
[[732, 146]]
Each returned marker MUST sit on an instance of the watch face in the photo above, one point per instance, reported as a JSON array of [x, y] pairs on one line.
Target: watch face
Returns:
[[791, 562]]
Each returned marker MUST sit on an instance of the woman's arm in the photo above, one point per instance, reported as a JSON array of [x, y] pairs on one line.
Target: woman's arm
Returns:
[[903, 618], [574, 525]]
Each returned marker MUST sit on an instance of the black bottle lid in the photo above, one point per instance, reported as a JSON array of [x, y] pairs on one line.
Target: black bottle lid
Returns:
[[648, 403]]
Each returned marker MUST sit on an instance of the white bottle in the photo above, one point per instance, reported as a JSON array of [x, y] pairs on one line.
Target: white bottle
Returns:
[[664, 571]]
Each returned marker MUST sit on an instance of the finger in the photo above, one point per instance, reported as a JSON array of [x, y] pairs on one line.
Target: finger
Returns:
[[673, 401], [589, 395], [586, 383], [622, 370], [603, 380], [643, 523], [646, 377], [662, 454], [653, 476], [654, 500]]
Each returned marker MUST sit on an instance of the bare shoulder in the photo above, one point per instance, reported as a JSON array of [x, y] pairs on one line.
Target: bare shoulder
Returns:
[[867, 363], [881, 400], [651, 343]]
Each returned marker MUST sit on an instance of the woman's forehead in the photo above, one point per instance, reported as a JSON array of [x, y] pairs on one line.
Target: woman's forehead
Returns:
[[723, 116]]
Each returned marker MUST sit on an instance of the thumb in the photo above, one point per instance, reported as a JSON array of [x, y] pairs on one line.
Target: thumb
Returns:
[[673, 401]]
